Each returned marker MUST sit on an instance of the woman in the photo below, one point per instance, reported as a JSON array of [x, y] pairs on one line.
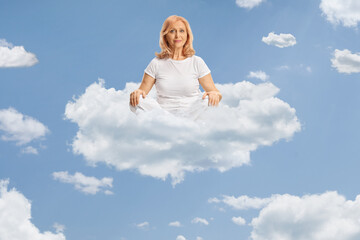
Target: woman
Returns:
[[176, 73]]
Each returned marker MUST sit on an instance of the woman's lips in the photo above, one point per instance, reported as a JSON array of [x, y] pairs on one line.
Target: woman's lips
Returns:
[[177, 40]]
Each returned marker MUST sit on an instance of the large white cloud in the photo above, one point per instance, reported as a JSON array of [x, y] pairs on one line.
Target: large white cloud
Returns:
[[346, 62], [281, 40], [159, 144], [249, 4], [85, 184], [346, 12], [20, 128], [15, 56], [327, 216], [15, 216]]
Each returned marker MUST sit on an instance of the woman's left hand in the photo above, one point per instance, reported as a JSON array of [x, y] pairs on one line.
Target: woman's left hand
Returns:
[[214, 97]]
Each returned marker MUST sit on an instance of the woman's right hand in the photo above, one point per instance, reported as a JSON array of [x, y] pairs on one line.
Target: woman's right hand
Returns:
[[135, 97]]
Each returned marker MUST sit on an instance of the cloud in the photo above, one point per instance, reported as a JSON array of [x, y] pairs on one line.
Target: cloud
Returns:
[[20, 128], [143, 225], [238, 221], [283, 67], [17, 56], [259, 75], [199, 238], [88, 185], [346, 12], [159, 144], [346, 62], [327, 216], [59, 228], [281, 41], [175, 224], [15, 216], [243, 202], [249, 4], [30, 150], [200, 220], [180, 237]]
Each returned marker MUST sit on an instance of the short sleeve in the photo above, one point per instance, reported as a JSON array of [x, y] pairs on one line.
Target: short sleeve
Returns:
[[151, 68], [202, 68]]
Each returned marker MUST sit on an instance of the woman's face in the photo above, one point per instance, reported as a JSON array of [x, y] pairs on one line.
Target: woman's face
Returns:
[[177, 35]]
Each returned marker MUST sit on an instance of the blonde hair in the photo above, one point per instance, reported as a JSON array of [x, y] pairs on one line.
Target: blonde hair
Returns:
[[166, 52]]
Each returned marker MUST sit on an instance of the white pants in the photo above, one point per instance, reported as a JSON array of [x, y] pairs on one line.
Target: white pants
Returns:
[[192, 110]]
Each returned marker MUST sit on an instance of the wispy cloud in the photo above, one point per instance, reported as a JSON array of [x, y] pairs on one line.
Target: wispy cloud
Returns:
[[281, 40], [29, 150], [242, 202], [15, 216], [259, 75], [175, 224], [238, 221], [346, 62], [15, 56], [249, 4], [143, 225], [88, 185], [346, 12], [200, 220], [249, 116]]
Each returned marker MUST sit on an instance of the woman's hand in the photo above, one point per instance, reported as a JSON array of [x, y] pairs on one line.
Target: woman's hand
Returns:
[[214, 97], [135, 97]]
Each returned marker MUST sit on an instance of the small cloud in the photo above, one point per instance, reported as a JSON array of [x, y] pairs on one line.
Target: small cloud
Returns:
[[199, 238], [15, 56], [59, 228], [259, 75], [21, 129], [213, 200], [175, 224], [346, 62], [249, 4], [245, 202], [342, 12], [88, 185], [238, 221], [283, 67], [200, 220], [282, 40], [180, 237], [308, 69], [143, 225], [29, 150]]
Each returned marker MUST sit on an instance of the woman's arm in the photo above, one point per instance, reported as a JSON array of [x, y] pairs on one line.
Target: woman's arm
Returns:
[[146, 84], [211, 91]]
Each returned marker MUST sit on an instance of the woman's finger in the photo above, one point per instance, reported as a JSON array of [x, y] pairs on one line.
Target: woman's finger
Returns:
[[203, 97]]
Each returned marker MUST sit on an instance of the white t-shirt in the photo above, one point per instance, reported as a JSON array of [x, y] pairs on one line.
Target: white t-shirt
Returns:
[[177, 83]]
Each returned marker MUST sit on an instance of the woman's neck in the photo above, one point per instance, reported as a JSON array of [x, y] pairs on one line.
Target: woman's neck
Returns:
[[177, 54]]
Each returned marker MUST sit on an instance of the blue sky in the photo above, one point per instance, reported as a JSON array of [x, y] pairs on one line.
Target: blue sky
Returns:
[[311, 89]]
